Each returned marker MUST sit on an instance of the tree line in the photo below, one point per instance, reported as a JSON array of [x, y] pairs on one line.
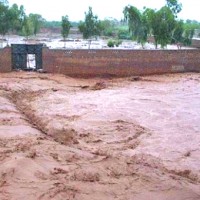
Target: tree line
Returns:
[[163, 24], [14, 19]]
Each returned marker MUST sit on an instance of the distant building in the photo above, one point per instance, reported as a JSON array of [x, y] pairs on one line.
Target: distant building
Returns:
[[196, 33], [195, 43]]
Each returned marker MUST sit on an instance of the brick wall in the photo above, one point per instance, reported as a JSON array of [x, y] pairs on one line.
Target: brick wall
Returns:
[[5, 60], [120, 62], [112, 62]]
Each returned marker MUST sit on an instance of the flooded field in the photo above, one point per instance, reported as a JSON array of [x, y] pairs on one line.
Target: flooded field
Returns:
[[55, 41], [93, 139]]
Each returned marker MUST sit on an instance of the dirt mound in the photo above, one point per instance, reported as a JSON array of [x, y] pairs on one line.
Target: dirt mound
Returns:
[[99, 86], [64, 136]]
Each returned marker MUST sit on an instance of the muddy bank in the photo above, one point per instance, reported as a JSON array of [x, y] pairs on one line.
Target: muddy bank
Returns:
[[65, 138]]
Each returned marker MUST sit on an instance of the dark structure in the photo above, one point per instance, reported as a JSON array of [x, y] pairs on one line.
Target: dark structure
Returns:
[[20, 53]]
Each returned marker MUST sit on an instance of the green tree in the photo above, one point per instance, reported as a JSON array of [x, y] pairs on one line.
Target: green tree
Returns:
[[174, 6], [11, 18], [91, 27], [4, 2], [36, 21], [16, 24], [162, 24], [137, 23], [144, 31], [66, 25], [22, 15], [109, 27], [177, 36], [182, 35], [27, 28], [124, 34], [189, 30], [149, 14], [133, 16], [187, 36], [4, 18], [15, 18]]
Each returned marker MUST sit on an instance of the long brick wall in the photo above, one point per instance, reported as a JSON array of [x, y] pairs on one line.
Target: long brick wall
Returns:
[[120, 62], [5, 60], [112, 62]]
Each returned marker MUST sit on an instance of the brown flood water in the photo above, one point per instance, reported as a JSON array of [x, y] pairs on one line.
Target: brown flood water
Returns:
[[99, 139]]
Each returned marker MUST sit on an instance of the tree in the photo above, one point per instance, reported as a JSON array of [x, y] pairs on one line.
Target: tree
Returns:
[[91, 27], [187, 36], [174, 6], [4, 19], [16, 25], [36, 21], [124, 34], [4, 2], [133, 16], [137, 24], [162, 24], [27, 27], [109, 27], [22, 15], [144, 31], [177, 36], [189, 30], [66, 25]]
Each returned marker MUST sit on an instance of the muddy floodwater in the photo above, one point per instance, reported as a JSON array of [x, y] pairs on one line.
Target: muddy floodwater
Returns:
[[135, 138]]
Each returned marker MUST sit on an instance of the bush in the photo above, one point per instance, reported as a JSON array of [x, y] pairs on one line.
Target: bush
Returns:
[[124, 34], [118, 42], [108, 32], [111, 43]]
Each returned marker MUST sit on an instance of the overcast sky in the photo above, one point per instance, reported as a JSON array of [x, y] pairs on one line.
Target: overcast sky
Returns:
[[53, 10]]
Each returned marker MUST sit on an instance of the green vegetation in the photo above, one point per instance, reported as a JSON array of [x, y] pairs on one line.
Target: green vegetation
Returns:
[[110, 27], [36, 21], [174, 6], [66, 25], [124, 34], [4, 16], [112, 43], [161, 24], [52, 24], [91, 27], [13, 19], [27, 28], [137, 23]]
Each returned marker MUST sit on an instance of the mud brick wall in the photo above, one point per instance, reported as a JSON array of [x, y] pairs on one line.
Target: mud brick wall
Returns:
[[5, 60], [112, 62], [120, 62]]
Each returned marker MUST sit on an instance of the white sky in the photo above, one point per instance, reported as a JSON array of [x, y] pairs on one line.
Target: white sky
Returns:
[[53, 10]]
